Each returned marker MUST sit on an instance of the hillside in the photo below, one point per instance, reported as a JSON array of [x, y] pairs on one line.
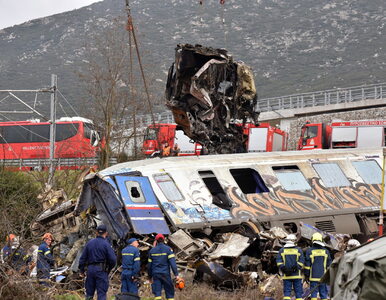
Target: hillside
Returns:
[[292, 46]]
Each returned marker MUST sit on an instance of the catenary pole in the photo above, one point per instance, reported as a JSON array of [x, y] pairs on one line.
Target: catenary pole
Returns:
[[54, 84]]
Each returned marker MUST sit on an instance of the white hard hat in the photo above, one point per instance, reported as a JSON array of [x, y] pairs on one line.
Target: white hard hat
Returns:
[[289, 244], [353, 243], [291, 238], [290, 241]]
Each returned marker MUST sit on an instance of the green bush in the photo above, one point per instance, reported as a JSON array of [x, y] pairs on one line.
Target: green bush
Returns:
[[18, 202]]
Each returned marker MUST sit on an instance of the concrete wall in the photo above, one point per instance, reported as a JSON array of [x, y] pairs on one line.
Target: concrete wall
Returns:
[[363, 114]]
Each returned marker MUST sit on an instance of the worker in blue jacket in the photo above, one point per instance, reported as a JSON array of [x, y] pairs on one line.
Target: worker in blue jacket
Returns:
[[14, 254], [130, 266], [318, 259], [161, 259], [45, 259], [290, 261], [6, 251], [100, 259]]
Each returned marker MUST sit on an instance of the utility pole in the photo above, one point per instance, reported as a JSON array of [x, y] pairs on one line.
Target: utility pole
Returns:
[[383, 195], [54, 84]]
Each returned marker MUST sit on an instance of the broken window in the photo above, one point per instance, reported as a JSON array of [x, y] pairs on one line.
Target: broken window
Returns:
[[249, 181], [331, 175], [369, 170], [216, 190], [291, 178], [168, 187], [135, 191]]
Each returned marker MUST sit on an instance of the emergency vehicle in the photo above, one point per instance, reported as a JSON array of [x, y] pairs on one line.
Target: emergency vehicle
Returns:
[[261, 138], [351, 134]]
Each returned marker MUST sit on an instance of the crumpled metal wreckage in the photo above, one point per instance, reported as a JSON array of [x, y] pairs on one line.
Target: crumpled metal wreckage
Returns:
[[230, 260], [227, 259], [208, 93], [359, 273]]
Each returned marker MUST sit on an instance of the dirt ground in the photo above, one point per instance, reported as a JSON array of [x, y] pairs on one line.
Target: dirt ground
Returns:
[[21, 287]]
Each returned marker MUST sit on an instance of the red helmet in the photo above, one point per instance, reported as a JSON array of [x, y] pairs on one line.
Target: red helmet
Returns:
[[159, 236], [180, 283], [10, 237]]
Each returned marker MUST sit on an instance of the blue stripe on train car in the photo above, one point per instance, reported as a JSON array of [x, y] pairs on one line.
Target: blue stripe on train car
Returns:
[[141, 205]]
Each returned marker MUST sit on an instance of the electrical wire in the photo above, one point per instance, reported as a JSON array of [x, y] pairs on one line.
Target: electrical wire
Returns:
[[69, 104], [25, 128]]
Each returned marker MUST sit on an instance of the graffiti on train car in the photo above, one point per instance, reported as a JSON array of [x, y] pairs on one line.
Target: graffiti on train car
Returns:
[[318, 198], [198, 205]]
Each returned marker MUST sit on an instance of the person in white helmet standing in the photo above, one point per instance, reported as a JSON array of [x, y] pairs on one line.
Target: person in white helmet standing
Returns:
[[290, 261]]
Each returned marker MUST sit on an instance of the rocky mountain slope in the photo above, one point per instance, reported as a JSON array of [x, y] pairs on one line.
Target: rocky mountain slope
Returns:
[[292, 46]]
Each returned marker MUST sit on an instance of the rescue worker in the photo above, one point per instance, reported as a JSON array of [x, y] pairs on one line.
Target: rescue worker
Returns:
[[99, 258], [353, 243], [7, 249], [161, 259], [45, 259], [166, 150], [130, 266], [176, 150], [317, 259], [290, 261]]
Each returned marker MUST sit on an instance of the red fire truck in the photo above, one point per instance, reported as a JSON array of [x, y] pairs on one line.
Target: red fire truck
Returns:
[[75, 138], [262, 138], [352, 134]]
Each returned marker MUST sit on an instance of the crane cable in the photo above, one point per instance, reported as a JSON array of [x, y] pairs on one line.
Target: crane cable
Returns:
[[131, 30], [222, 17], [222, 2]]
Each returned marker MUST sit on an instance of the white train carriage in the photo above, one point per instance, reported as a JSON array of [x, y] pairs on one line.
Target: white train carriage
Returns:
[[334, 190]]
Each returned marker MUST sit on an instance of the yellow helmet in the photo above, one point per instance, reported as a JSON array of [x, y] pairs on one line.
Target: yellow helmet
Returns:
[[317, 237]]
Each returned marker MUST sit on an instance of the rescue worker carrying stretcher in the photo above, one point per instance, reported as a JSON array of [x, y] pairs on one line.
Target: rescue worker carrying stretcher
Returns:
[[131, 267], [290, 261], [318, 260], [161, 259], [100, 259]]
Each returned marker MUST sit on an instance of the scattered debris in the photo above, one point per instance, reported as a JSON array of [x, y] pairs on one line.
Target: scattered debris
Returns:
[[233, 247]]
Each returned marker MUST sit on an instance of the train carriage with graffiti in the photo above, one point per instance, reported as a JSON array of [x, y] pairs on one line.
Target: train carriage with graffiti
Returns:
[[333, 190]]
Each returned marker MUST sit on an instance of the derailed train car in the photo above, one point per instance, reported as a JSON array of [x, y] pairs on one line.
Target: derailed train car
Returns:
[[333, 190]]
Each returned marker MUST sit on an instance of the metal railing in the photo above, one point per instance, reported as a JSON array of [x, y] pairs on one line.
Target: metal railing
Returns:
[[322, 98], [39, 164]]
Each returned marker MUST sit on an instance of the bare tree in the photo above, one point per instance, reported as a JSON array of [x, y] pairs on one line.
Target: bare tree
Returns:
[[113, 98]]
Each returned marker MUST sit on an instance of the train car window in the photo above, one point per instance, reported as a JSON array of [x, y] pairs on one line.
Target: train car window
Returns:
[[87, 130], [219, 197], [135, 191], [369, 170], [66, 131], [39, 133], [16, 134], [2, 140], [168, 187], [331, 174], [291, 178], [151, 134], [249, 181]]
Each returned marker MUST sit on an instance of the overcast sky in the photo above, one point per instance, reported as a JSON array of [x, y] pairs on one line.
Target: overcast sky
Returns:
[[14, 12]]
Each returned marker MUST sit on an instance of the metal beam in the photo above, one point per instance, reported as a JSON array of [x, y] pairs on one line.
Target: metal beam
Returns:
[[29, 106]]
